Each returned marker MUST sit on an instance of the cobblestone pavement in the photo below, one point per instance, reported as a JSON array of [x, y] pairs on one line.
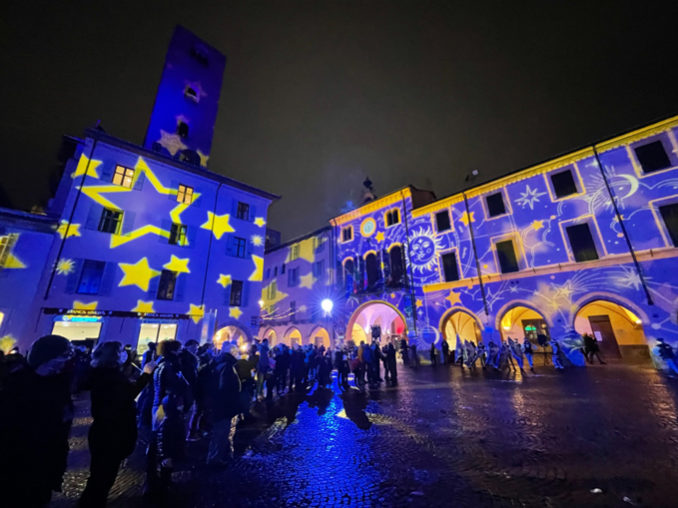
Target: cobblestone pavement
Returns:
[[443, 437]]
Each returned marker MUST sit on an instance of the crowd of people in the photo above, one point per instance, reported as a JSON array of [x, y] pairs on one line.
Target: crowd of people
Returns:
[[173, 394]]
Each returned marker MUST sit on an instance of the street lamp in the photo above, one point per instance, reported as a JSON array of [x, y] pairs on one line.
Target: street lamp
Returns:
[[327, 305]]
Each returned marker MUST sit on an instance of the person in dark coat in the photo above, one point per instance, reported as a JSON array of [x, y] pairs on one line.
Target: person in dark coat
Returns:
[[446, 352], [168, 378], [225, 400], [150, 354], [434, 355], [36, 412], [113, 434]]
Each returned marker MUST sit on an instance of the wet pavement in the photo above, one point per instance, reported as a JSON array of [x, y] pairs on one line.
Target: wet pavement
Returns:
[[597, 436]]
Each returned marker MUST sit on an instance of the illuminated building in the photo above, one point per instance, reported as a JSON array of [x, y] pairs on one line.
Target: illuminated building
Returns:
[[586, 242], [142, 243]]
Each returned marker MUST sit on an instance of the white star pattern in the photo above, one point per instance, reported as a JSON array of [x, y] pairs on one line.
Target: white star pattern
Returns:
[[529, 197]]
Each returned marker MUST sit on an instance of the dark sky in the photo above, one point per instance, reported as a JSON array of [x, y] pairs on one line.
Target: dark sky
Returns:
[[319, 94]]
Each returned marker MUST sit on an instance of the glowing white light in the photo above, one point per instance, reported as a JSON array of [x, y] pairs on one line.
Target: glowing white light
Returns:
[[327, 305], [261, 303]]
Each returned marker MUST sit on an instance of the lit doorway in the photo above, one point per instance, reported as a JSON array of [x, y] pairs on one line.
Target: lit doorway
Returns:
[[154, 332], [463, 326]]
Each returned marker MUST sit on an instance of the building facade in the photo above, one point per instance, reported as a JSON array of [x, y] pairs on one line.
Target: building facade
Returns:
[[584, 243], [140, 243]]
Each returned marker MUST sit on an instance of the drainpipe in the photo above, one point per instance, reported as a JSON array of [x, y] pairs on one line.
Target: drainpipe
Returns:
[[70, 220], [409, 266], [475, 255], [209, 248], [623, 227]]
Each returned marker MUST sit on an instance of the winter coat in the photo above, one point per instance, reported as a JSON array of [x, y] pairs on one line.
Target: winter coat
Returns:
[[225, 388]]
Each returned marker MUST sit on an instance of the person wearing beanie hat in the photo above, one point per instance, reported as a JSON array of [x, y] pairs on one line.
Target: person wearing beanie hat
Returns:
[[37, 414]]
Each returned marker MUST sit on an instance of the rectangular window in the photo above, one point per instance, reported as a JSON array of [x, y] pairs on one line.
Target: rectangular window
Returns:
[[392, 217], [294, 252], [581, 242], [168, 282], [563, 183], [272, 290], [508, 262], [318, 269], [239, 247], [90, 277], [495, 204], [185, 194], [347, 234], [275, 271], [652, 157], [443, 221], [293, 277], [243, 211], [282, 268], [450, 267], [268, 273], [293, 309], [177, 234], [235, 299], [123, 176], [6, 244], [670, 216], [110, 221]]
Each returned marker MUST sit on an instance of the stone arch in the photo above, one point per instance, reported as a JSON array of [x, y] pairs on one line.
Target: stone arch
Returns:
[[271, 335], [321, 333], [459, 321], [293, 336], [397, 325], [518, 311]]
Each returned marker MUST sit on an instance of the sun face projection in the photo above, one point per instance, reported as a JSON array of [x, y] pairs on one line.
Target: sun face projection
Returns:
[[422, 254]]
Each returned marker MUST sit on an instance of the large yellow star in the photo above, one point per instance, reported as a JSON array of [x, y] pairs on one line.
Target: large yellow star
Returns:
[[307, 281], [196, 312], [178, 265], [86, 166], [218, 224], [379, 237], [235, 312], [78, 305], [453, 298], [224, 280], [260, 221], [537, 224], [95, 192], [258, 273], [65, 230], [465, 218], [171, 141], [138, 274], [144, 307]]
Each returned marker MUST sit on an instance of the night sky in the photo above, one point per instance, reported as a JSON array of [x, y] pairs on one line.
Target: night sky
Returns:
[[317, 95]]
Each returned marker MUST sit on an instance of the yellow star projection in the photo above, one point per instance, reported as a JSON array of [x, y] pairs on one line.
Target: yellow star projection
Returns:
[[178, 265], [138, 274], [65, 230], [86, 166], [465, 218], [260, 221], [537, 224], [144, 307], [218, 224], [453, 298], [203, 158], [307, 281], [224, 280], [65, 266], [379, 236], [258, 273], [78, 305], [171, 141], [95, 192], [235, 312], [419, 303], [196, 312]]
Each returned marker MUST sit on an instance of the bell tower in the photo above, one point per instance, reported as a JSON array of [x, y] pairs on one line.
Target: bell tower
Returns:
[[186, 104]]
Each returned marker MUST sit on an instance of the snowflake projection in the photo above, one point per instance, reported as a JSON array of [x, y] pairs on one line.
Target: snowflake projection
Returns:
[[257, 240], [65, 266], [529, 197]]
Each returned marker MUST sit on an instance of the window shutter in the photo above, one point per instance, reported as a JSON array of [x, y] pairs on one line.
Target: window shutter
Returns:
[[174, 184], [166, 225], [253, 212], [127, 222], [191, 234], [93, 217], [234, 208], [153, 288], [229, 245], [244, 297], [386, 259], [180, 287], [108, 278], [404, 276], [139, 184], [227, 295], [107, 172], [250, 247], [74, 277]]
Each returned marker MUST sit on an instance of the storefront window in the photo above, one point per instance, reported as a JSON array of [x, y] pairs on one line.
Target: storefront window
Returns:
[[77, 327], [155, 332]]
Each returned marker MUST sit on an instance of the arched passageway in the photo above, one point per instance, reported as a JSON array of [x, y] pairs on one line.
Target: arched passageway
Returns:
[[523, 322], [271, 336], [461, 324], [320, 337], [376, 314], [618, 330], [293, 337], [231, 334]]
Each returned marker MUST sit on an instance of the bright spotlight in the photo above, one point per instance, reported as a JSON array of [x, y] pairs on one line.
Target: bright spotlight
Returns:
[[261, 303], [327, 305]]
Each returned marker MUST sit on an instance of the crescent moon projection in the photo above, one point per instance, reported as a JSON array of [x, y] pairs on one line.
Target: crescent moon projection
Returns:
[[633, 185]]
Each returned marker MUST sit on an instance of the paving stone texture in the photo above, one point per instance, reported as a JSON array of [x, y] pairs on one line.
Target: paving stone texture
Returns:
[[597, 436]]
